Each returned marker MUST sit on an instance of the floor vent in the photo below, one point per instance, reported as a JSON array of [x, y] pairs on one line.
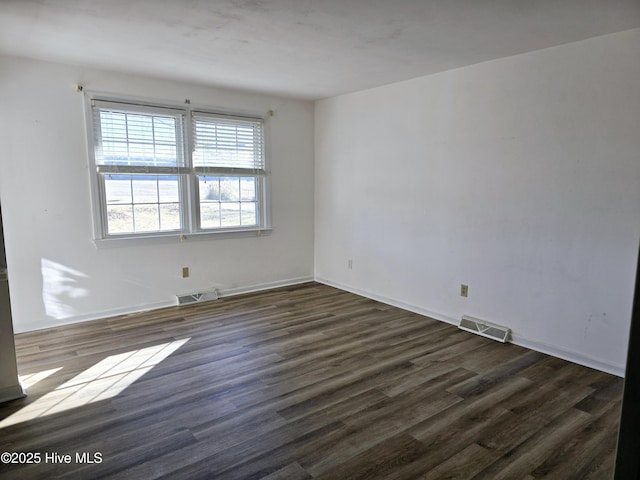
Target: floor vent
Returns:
[[197, 297], [486, 329]]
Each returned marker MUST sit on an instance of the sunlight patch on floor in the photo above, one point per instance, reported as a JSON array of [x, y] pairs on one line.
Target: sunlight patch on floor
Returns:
[[104, 380], [29, 380]]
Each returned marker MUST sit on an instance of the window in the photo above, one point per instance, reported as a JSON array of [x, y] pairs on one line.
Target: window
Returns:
[[229, 161], [157, 175]]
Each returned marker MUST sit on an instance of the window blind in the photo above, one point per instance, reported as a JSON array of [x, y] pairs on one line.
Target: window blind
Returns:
[[137, 140], [223, 144]]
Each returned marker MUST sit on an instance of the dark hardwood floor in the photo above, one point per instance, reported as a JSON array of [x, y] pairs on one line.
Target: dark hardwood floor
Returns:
[[301, 382]]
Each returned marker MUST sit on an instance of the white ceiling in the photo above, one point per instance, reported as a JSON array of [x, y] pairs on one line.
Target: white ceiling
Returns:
[[298, 48]]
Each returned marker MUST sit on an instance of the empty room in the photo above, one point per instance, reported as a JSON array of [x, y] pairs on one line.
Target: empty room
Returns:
[[335, 239]]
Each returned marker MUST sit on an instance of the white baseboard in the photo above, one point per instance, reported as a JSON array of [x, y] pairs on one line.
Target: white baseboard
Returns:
[[154, 306], [571, 356], [11, 393], [229, 292], [390, 301], [58, 322], [552, 350]]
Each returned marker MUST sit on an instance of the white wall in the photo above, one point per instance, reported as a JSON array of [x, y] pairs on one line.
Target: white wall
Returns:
[[519, 177], [57, 273]]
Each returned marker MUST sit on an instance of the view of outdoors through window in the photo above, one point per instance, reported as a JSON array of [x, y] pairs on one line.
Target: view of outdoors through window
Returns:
[[227, 201], [142, 203]]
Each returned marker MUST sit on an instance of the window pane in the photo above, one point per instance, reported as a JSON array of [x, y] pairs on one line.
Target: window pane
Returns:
[[248, 216], [170, 216], [114, 125], [230, 214], [209, 188], [115, 153], [140, 127], [229, 189], [165, 129], [118, 189], [145, 189], [248, 189], [146, 218], [119, 219], [169, 189], [210, 215], [165, 155], [141, 154]]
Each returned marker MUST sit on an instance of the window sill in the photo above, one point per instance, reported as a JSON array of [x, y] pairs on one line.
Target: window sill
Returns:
[[130, 241]]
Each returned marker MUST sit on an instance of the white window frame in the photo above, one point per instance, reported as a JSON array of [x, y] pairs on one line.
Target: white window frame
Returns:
[[189, 197]]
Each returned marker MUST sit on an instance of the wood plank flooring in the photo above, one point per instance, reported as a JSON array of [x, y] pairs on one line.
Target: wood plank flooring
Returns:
[[302, 382]]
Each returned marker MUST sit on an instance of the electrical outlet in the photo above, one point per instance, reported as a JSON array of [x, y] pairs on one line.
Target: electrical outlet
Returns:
[[185, 272], [350, 264], [464, 290]]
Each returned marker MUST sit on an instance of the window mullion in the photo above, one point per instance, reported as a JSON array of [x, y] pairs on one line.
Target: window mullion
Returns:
[[158, 197], [126, 129], [187, 180], [103, 205], [153, 139], [133, 204]]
